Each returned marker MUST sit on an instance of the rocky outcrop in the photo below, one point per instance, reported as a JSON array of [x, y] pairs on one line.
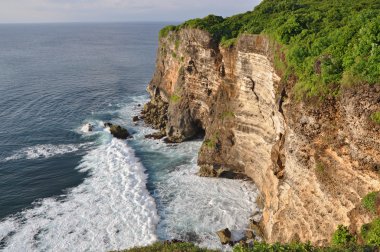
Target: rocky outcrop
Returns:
[[117, 131], [224, 236], [312, 161]]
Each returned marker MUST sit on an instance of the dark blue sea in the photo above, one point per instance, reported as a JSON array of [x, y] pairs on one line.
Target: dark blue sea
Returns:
[[64, 188]]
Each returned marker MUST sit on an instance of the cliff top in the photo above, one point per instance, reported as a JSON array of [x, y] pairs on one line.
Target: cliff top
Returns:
[[326, 44]]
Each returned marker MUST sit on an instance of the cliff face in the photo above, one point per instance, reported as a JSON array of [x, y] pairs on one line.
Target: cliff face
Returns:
[[313, 162]]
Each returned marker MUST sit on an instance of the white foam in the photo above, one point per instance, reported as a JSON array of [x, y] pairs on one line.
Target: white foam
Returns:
[[45, 151], [196, 207], [110, 210]]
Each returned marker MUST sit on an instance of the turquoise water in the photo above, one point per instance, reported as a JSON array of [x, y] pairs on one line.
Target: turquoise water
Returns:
[[63, 188]]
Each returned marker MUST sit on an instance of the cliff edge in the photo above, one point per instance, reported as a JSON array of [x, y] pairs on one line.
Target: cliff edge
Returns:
[[312, 160]]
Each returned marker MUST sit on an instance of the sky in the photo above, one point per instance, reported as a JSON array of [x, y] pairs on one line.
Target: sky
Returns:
[[47, 11]]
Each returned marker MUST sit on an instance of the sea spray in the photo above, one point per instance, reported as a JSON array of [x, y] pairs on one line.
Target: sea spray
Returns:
[[111, 209]]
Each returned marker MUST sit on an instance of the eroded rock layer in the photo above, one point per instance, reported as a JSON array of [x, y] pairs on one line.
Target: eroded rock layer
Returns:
[[312, 161]]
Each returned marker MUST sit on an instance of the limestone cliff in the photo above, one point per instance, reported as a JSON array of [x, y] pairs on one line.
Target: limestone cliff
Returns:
[[312, 161]]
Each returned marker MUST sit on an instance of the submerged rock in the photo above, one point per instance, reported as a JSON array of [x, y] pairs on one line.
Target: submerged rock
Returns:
[[107, 124], [224, 236], [135, 119], [88, 127], [117, 131], [156, 135]]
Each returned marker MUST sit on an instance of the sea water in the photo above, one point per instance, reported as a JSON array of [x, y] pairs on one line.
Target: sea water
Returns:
[[63, 188]]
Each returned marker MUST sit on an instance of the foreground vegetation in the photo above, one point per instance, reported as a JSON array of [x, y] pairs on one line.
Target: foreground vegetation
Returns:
[[342, 240], [255, 247], [326, 43]]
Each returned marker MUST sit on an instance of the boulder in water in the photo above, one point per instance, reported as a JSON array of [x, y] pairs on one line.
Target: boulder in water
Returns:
[[107, 124], [87, 127], [135, 118], [118, 131], [224, 236]]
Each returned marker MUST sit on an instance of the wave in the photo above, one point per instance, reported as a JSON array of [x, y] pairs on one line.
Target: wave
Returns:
[[42, 151], [201, 206], [110, 210]]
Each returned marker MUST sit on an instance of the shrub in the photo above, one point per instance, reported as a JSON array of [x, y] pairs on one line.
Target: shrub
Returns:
[[175, 98], [227, 114], [165, 31], [227, 43], [169, 247], [319, 167], [342, 237], [375, 117], [371, 232], [369, 202], [209, 143]]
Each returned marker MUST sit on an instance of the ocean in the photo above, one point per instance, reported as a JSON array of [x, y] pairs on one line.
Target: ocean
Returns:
[[63, 188]]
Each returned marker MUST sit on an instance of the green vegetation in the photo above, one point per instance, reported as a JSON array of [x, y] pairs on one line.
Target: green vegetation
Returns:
[[375, 117], [209, 143], [212, 141], [371, 232], [228, 42], [165, 31], [301, 247], [326, 43], [177, 44], [256, 247], [369, 202], [227, 115], [342, 237], [175, 98], [319, 167], [168, 247]]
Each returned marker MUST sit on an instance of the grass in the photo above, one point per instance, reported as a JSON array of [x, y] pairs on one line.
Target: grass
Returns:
[[209, 143], [320, 168], [170, 247], [227, 115], [375, 117], [369, 202], [175, 98]]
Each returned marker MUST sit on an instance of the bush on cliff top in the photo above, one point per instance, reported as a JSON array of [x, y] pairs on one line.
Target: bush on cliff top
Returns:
[[369, 202], [327, 43], [371, 232], [342, 237]]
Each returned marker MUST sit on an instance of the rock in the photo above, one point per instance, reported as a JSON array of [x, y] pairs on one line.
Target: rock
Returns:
[[207, 171], [88, 127], [156, 135], [135, 118], [139, 105], [117, 131], [107, 124], [254, 226], [224, 236], [249, 234]]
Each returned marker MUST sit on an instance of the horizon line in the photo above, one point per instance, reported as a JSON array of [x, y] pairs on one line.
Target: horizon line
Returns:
[[91, 22]]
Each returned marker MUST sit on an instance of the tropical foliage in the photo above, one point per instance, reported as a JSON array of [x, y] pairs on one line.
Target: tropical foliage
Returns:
[[327, 43]]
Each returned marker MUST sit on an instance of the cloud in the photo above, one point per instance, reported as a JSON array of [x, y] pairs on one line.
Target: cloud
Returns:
[[117, 10]]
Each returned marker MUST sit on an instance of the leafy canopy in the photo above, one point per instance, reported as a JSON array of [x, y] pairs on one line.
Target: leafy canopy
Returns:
[[327, 43]]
